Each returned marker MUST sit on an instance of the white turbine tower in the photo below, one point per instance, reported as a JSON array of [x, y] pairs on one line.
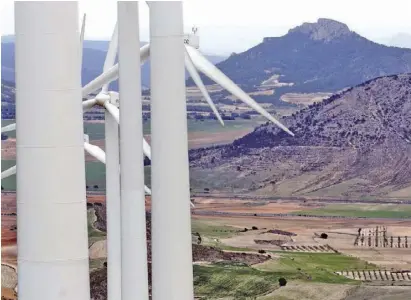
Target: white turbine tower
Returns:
[[134, 271], [172, 270], [51, 193]]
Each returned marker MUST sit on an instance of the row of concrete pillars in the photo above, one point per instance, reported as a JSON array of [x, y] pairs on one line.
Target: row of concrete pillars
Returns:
[[377, 237]]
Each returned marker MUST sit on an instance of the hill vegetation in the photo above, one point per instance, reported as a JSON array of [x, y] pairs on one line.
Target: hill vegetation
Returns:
[[355, 143]]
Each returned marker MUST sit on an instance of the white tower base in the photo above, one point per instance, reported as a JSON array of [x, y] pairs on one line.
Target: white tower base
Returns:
[[113, 213], [51, 193], [171, 218], [133, 219]]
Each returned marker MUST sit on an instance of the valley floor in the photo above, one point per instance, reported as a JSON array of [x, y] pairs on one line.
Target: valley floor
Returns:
[[310, 264]]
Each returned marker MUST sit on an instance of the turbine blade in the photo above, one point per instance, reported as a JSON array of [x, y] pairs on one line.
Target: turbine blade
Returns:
[[8, 128], [89, 103], [8, 172], [216, 75], [197, 80], [111, 55], [147, 190], [111, 74], [113, 110], [144, 53], [96, 152], [146, 149], [83, 29], [105, 78]]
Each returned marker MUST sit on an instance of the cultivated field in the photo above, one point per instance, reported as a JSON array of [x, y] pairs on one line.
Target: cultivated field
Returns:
[[200, 134], [314, 267], [304, 99]]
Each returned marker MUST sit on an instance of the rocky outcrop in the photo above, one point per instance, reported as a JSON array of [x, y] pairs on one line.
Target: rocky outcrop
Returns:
[[323, 30]]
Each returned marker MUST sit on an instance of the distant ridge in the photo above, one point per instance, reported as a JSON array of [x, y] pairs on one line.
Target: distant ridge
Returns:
[[325, 56], [94, 54]]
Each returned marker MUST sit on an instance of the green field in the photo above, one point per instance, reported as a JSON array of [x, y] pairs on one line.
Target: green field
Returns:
[[96, 130], [95, 171], [316, 267], [243, 282], [361, 210], [95, 176], [235, 281], [212, 230]]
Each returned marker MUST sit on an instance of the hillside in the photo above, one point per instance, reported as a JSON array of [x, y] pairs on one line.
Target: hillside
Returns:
[[94, 54], [354, 144], [325, 56]]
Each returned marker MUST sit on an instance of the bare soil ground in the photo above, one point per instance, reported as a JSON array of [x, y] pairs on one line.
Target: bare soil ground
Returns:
[[305, 99], [8, 149], [8, 219], [7, 294], [248, 206], [380, 293]]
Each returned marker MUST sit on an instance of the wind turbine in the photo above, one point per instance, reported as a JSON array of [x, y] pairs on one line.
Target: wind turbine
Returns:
[[193, 61], [42, 149], [104, 98]]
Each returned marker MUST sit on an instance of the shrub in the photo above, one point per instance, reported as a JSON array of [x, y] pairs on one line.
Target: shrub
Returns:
[[282, 281], [261, 251], [254, 228], [324, 235]]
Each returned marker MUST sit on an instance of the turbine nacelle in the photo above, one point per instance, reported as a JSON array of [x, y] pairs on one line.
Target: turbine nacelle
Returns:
[[192, 40]]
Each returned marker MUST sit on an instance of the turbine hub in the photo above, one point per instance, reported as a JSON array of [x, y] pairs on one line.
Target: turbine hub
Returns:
[[102, 98]]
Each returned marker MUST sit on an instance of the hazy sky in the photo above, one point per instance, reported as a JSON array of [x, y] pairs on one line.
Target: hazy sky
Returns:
[[228, 26]]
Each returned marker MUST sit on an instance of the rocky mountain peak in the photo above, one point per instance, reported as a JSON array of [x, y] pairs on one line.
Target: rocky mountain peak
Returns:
[[323, 29]]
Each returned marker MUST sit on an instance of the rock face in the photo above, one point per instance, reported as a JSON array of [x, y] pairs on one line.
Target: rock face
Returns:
[[356, 143], [323, 30], [325, 56]]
